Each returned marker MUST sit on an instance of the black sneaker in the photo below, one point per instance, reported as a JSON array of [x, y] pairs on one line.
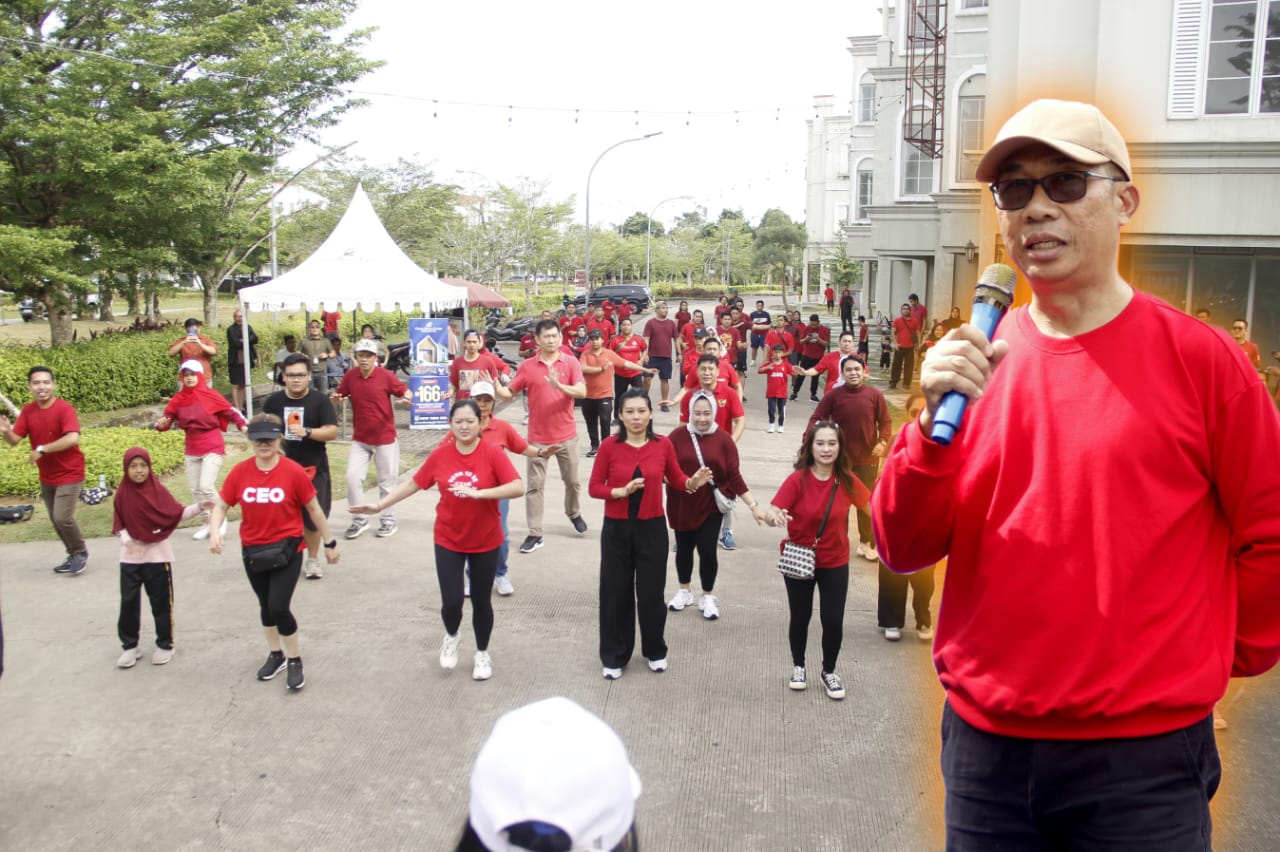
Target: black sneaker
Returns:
[[61, 568], [813, 398], [579, 525], [272, 667], [295, 679], [531, 543], [591, 453], [76, 564], [835, 689]]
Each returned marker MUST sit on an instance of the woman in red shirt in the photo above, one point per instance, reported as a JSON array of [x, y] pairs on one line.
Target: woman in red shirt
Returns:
[[272, 491], [683, 316], [631, 347], [203, 414], [473, 475], [822, 476], [695, 518], [473, 366], [628, 475]]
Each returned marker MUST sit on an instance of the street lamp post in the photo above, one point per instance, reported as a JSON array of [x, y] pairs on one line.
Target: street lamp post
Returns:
[[587, 260], [648, 236]]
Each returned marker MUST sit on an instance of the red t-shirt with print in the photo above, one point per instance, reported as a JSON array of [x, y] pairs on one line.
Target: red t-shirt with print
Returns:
[[271, 501], [727, 376], [465, 524], [777, 374], [631, 348]]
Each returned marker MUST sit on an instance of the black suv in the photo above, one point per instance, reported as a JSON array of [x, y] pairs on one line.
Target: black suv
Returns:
[[633, 294]]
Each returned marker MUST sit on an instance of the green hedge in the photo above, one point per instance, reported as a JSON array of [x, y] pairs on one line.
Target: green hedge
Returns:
[[103, 449]]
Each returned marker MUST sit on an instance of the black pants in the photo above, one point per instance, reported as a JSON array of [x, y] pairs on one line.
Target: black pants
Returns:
[[778, 407], [449, 571], [904, 366], [598, 413], [622, 384], [633, 572], [157, 577], [275, 592], [846, 322], [833, 588], [798, 381], [1131, 794], [891, 609], [866, 473], [702, 539]]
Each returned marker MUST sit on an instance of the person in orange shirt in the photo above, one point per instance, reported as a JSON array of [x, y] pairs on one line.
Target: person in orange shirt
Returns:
[[196, 347], [598, 368]]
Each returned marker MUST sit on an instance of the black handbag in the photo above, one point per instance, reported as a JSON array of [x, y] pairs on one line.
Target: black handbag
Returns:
[[262, 558]]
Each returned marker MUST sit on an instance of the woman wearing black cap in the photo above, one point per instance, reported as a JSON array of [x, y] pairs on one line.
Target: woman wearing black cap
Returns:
[[271, 490]]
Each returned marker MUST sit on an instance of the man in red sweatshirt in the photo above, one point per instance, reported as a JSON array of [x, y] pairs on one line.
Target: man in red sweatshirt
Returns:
[[1111, 528]]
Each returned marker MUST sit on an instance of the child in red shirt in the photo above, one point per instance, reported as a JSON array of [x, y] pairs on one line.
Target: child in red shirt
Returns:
[[779, 371]]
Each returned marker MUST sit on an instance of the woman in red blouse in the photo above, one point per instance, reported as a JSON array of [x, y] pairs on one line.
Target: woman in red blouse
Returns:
[[628, 475], [822, 475], [695, 518], [473, 475], [683, 316], [631, 347]]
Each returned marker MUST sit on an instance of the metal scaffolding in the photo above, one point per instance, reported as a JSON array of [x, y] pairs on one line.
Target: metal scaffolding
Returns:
[[926, 75]]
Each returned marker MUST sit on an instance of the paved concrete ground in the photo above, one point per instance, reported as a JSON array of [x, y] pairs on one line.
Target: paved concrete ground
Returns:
[[375, 752]]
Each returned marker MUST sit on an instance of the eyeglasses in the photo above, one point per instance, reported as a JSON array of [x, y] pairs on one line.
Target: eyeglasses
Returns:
[[1061, 187]]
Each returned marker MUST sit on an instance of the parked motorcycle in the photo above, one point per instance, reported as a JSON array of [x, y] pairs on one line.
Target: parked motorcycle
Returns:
[[398, 358]]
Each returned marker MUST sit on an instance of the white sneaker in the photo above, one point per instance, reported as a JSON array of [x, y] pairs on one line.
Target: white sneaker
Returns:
[[312, 570], [861, 550], [483, 669], [924, 633], [160, 656], [658, 665], [772, 429], [129, 658], [893, 634], [869, 552], [781, 430], [466, 586], [202, 533], [612, 674], [449, 651], [710, 611], [681, 599], [503, 585]]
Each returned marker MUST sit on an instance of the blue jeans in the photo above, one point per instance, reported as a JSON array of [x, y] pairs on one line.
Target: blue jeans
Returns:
[[503, 549]]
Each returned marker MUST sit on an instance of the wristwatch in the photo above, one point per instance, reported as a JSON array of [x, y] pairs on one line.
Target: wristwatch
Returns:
[[307, 431], [40, 450], [331, 544]]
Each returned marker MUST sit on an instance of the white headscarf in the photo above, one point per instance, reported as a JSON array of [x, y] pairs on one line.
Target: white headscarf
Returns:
[[709, 397]]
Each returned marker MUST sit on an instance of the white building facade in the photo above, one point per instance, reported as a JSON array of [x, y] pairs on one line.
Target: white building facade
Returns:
[[1194, 85]]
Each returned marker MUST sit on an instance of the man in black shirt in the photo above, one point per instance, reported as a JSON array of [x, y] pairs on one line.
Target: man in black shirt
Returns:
[[760, 324], [309, 422]]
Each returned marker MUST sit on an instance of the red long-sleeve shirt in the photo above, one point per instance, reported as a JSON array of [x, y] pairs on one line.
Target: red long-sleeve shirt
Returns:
[[863, 416], [1110, 513], [615, 466]]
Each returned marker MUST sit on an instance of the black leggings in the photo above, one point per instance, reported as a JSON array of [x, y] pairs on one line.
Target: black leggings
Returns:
[[598, 413], [484, 566], [704, 540], [833, 585], [275, 592], [798, 382]]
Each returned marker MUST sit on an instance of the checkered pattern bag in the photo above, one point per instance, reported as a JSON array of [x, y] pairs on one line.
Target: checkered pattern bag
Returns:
[[798, 561]]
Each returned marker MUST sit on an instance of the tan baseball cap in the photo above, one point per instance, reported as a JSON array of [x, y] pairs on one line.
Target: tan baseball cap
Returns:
[[1076, 129]]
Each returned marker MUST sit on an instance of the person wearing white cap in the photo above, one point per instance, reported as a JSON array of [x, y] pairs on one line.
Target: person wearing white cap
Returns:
[[552, 776], [1112, 538], [203, 414]]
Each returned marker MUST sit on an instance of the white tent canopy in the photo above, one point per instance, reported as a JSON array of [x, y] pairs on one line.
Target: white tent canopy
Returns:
[[358, 266]]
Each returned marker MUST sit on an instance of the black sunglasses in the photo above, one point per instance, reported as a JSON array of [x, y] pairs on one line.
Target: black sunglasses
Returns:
[[1061, 187]]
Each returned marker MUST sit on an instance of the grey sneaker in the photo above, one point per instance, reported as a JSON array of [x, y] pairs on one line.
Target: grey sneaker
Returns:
[[77, 564], [531, 543], [358, 525], [387, 529], [295, 679], [579, 525], [273, 666]]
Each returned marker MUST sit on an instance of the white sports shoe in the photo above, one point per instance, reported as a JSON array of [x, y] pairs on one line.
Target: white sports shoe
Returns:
[[449, 651], [861, 550], [681, 599], [772, 428], [893, 634], [658, 665], [781, 429], [710, 610], [483, 669], [503, 585], [129, 658], [202, 533], [612, 674], [869, 552], [312, 570]]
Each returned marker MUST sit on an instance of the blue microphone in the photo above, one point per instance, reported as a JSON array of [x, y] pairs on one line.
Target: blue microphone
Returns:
[[991, 300]]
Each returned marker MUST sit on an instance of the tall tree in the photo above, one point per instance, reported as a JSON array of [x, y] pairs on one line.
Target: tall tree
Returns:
[[778, 243], [150, 124], [638, 224]]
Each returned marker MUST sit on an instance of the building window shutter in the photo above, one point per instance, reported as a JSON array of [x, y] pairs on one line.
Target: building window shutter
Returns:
[[1185, 59]]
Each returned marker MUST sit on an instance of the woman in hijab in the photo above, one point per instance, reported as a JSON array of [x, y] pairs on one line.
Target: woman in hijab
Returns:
[[145, 516], [696, 517], [203, 414]]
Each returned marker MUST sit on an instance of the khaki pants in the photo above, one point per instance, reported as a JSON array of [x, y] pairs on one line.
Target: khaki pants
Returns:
[[60, 501], [386, 461], [567, 458], [202, 476]]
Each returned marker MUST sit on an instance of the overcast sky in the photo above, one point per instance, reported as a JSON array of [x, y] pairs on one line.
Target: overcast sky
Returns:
[[665, 58]]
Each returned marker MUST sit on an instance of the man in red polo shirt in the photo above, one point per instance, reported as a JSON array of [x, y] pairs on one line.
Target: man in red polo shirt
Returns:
[[814, 340], [552, 381], [730, 415], [570, 322], [373, 432], [830, 363], [906, 337], [600, 321], [54, 430]]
